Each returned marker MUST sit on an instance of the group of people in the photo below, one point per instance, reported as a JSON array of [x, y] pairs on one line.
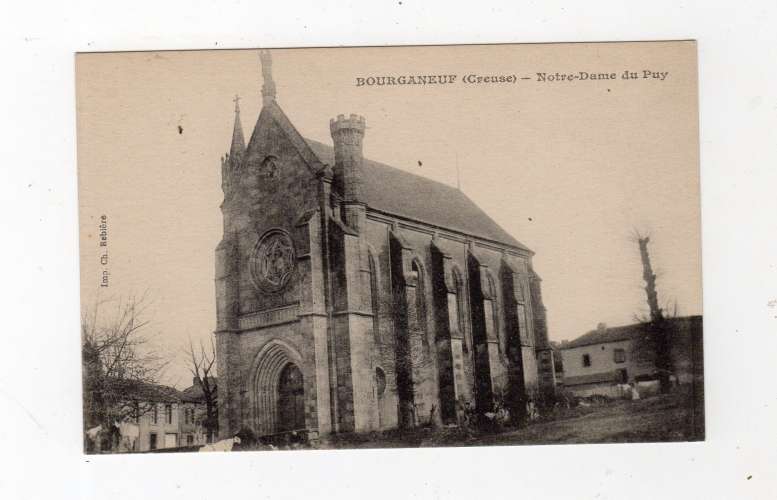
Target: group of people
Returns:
[[499, 416], [112, 437]]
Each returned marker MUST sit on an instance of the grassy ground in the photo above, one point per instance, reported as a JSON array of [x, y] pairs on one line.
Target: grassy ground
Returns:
[[660, 418], [673, 417]]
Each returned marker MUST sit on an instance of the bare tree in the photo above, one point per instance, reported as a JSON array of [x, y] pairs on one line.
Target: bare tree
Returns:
[[120, 368], [656, 344], [202, 366]]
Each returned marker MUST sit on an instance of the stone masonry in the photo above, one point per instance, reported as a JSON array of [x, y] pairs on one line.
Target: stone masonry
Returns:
[[395, 297]]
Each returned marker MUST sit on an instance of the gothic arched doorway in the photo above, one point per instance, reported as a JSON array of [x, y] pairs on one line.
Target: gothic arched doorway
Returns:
[[291, 399], [275, 389]]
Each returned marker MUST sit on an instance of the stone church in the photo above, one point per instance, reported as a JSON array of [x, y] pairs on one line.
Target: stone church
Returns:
[[353, 296]]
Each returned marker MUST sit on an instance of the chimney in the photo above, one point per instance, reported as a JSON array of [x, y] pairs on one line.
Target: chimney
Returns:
[[348, 135], [601, 327]]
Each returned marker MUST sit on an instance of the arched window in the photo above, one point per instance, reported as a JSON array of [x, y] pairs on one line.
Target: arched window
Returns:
[[374, 297], [420, 299], [270, 167], [380, 381], [489, 309], [456, 308]]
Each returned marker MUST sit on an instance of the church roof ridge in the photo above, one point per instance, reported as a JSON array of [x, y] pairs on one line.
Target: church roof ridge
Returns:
[[385, 188], [421, 198]]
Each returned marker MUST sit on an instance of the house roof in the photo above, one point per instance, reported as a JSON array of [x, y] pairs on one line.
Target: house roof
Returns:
[[619, 333], [398, 192], [143, 391], [194, 393]]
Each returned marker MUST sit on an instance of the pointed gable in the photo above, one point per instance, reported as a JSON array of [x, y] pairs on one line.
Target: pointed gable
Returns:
[[273, 115]]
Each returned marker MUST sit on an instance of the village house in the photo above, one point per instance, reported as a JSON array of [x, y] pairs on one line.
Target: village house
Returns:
[[156, 417], [603, 360], [159, 426], [195, 430]]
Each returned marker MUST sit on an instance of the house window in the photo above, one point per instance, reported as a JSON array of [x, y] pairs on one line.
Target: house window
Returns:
[[155, 417], [169, 414], [586, 360], [189, 440], [152, 441], [619, 355]]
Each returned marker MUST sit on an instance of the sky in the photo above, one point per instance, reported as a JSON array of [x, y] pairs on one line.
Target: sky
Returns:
[[570, 169]]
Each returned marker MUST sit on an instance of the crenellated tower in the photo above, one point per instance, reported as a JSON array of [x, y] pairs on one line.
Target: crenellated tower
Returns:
[[348, 138]]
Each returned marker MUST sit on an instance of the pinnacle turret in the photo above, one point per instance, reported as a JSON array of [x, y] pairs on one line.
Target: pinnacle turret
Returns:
[[238, 146]]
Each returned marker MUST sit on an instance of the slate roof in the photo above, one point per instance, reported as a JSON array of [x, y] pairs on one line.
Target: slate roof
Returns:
[[194, 393], [143, 391], [627, 332], [398, 192]]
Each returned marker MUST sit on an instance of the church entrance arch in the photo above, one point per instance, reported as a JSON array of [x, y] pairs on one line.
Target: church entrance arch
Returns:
[[277, 389], [291, 399]]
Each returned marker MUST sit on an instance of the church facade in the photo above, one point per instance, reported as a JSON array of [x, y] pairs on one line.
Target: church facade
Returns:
[[353, 296]]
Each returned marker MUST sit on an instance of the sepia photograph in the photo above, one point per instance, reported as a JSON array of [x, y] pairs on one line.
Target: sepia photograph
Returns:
[[390, 247]]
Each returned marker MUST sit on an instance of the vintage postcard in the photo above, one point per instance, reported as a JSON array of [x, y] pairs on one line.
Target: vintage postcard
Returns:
[[390, 246]]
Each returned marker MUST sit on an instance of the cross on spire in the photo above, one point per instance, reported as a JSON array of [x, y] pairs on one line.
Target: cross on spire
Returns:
[[238, 142]]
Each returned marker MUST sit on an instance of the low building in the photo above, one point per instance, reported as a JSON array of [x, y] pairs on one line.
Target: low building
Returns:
[[602, 359], [196, 428], [159, 426], [148, 417]]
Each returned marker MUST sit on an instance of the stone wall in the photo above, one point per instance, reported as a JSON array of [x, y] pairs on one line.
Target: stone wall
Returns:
[[382, 316], [450, 356]]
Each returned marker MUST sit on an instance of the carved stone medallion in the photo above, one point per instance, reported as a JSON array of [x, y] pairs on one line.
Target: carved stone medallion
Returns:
[[273, 261]]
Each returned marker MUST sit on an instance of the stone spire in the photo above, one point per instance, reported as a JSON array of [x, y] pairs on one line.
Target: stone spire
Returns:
[[268, 88], [238, 141]]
